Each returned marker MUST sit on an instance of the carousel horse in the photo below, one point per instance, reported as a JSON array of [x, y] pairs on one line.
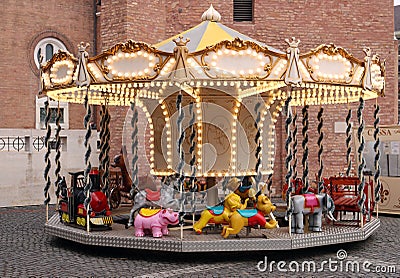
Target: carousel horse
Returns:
[[251, 217], [219, 214]]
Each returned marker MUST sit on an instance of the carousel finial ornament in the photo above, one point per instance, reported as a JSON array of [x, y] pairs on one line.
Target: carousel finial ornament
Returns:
[[181, 41], [211, 15], [180, 72], [293, 76], [83, 78], [367, 79]]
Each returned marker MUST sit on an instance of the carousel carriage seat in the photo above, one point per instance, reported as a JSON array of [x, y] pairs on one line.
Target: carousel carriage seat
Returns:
[[345, 195]]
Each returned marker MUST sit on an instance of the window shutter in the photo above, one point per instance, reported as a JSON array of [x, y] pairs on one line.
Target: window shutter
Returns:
[[243, 10]]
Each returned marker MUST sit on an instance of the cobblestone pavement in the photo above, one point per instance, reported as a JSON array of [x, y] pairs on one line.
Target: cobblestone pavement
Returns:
[[25, 251]]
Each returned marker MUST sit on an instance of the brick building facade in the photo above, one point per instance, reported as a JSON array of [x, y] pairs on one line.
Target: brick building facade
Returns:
[[350, 24]]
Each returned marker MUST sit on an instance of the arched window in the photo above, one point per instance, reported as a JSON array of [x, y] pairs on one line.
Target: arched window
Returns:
[[49, 51], [47, 47]]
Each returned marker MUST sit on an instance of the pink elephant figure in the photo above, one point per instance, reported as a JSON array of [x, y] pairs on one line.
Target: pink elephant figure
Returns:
[[154, 221]]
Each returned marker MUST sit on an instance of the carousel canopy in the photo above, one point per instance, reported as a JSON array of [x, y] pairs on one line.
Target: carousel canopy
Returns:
[[230, 88], [212, 53]]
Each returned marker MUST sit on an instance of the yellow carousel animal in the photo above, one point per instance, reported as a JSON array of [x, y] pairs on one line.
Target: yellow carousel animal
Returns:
[[251, 217], [219, 214]]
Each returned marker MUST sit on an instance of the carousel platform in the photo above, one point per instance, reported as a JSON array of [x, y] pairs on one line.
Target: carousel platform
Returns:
[[258, 239]]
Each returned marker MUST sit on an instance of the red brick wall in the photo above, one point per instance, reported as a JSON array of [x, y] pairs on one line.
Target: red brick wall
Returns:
[[350, 24], [24, 23]]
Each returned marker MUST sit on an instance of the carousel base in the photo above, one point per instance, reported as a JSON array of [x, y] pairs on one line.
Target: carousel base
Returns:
[[258, 239]]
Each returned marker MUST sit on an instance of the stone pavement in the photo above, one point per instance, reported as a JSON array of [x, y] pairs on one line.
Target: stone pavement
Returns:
[[25, 251]]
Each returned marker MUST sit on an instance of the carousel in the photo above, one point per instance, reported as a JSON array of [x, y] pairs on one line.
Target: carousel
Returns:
[[211, 97]]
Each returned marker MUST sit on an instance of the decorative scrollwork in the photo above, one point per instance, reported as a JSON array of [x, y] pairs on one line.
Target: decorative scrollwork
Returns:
[[239, 45], [331, 49], [61, 55]]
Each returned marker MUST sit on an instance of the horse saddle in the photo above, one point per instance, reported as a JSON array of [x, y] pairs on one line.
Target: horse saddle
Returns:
[[147, 212], [311, 201], [152, 195], [247, 213], [216, 210]]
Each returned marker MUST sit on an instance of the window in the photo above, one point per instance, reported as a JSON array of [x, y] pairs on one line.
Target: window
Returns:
[[47, 47], [242, 10], [41, 114], [53, 115]]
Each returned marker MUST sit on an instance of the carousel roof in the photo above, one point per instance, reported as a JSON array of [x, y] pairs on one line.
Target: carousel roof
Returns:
[[208, 33], [211, 54]]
